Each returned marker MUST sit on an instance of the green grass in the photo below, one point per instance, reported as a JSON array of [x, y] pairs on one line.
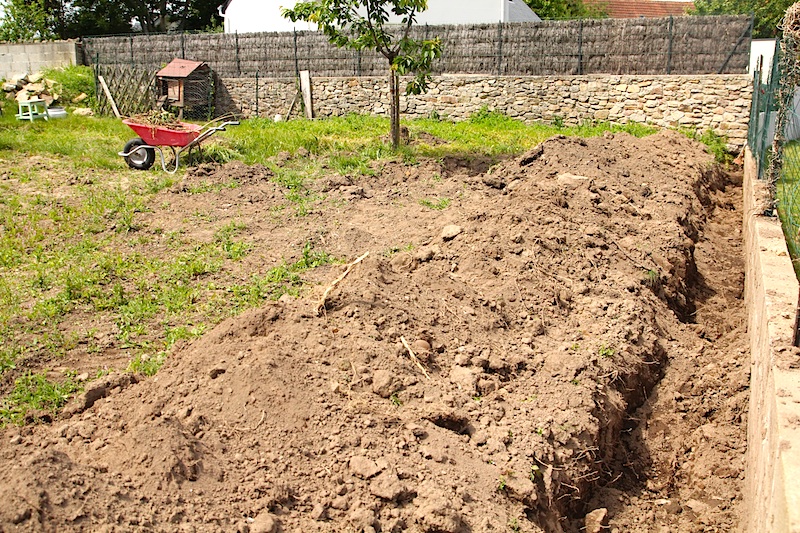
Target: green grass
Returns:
[[282, 279], [85, 143], [351, 142], [34, 392], [437, 204], [716, 145]]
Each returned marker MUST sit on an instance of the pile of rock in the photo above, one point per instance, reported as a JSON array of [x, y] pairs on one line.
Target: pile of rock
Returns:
[[24, 87]]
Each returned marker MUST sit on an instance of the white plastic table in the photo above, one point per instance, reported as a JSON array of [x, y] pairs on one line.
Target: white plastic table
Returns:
[[32, 109]]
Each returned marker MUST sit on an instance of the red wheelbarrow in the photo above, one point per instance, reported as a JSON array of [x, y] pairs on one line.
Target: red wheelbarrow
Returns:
[[140, 153]]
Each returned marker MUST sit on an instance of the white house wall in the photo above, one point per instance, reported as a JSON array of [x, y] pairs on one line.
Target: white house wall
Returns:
[[764, 49], [244, 16], [476, 12]]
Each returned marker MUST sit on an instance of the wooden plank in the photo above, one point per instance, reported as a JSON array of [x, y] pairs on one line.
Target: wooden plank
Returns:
[[305, 87], [108, 95]]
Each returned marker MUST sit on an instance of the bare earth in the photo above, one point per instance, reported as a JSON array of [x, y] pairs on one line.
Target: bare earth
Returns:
[[576, 315]]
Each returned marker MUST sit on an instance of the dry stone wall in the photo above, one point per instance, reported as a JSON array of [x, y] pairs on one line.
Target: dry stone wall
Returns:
[[719, 102]]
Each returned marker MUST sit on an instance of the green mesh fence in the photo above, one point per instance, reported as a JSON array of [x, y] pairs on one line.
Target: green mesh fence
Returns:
[[774, 138], [784, 168]]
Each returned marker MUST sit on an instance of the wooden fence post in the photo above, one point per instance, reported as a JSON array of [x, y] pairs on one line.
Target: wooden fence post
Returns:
[[238, 63], [499, 48], [669, 47], [580, 48], [296, 62]]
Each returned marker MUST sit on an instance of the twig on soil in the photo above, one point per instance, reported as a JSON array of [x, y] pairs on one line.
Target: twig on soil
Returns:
[[629, 258], [355, 374], [446, 308], [414, 357], [245, 430], [321, 304]]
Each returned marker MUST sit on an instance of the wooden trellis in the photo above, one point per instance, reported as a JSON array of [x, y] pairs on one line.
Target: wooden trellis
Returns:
[[133, 89]]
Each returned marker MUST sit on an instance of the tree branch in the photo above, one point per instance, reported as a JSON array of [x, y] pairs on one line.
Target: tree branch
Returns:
[[406, 32], [379, 43]]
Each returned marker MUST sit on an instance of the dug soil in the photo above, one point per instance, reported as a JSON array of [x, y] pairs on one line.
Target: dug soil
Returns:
[[555, 343]]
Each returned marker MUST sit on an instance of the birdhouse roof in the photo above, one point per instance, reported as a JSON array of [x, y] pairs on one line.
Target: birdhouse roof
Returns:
[[179, 68]]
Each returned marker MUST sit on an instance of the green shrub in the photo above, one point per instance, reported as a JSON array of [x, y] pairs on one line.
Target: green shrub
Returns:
[[72, 81]]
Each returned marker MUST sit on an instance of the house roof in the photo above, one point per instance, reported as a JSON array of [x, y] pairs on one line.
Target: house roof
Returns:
[[179, 68], [628, 9]]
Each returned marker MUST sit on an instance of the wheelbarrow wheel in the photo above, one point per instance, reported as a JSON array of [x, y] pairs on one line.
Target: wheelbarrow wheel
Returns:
[[141, 159]]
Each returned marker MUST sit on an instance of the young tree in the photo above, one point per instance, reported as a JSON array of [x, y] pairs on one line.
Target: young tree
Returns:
[[767, 15], [360, 24]]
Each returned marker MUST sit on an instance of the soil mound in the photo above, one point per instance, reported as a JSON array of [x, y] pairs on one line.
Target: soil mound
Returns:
[[541, 308]]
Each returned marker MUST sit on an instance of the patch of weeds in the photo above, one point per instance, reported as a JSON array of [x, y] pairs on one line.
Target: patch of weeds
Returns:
[[8, 357], [147, 364], [606, 351], [282, 279], [349, 164], [502, 483], [484, 116], [575, 347], [172, 335], [558, 121], [540, 431], [437, 204], [158, 184], [34, 392], [536, 473], [233, 249], [397, 249], [716, 144], [297, 193], [652, 279], [311, 258], [395, 400], [513, 524], [575, 381], [477, 398]]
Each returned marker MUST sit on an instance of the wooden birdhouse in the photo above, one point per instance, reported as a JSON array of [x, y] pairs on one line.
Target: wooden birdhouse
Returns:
[[185, 84]]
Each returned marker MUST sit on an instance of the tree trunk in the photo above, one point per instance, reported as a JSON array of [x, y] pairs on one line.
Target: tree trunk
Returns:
[[394, 110]]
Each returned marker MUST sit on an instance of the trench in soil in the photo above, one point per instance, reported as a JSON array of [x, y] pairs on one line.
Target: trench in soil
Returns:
[[678, 462]]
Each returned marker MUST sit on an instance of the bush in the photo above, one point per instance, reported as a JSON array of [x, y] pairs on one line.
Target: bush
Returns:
[[72, 81]]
